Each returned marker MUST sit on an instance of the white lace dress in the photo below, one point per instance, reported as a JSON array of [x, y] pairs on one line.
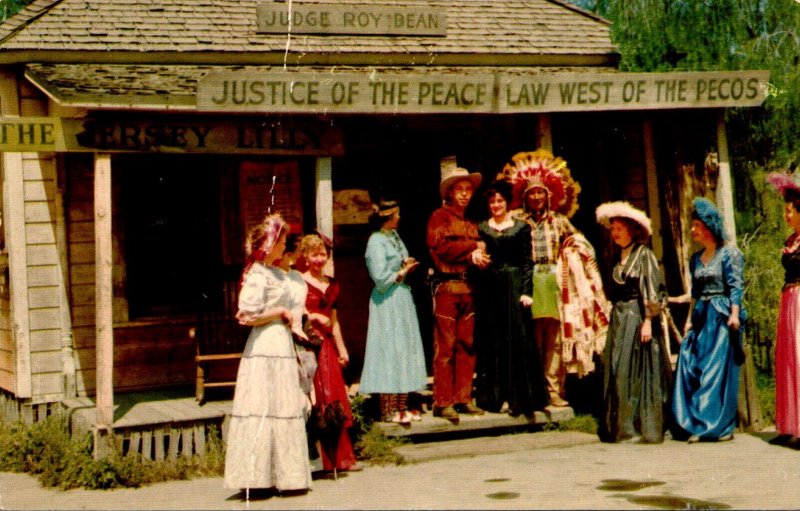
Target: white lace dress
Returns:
[[266, 440]]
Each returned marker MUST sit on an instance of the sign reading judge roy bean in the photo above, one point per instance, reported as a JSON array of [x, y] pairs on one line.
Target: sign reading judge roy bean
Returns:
[[476, 93], [281, 18]]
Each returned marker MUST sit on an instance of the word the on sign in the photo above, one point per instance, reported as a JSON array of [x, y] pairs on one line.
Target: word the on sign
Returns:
[[30, 134]]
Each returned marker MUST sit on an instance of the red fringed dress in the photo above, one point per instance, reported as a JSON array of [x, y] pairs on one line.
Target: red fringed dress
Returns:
[[329, 383]]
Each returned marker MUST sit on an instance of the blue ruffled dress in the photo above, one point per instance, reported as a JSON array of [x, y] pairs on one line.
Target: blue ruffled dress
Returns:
[[707, 379]]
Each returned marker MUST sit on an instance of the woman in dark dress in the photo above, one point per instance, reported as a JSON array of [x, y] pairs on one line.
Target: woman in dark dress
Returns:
[[329, 387], [635, 385], [508, 365]]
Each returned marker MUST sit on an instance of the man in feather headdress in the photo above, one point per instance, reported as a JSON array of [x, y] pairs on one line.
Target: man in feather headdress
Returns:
[[547, 193], [454, 245]]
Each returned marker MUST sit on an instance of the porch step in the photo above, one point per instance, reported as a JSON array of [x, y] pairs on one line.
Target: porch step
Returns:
[[430, 425]]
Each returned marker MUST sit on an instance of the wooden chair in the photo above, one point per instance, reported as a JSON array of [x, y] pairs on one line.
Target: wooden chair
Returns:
[[219, 338]]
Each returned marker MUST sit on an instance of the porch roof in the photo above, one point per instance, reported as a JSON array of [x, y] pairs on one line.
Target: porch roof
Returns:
[[174, 87], [214, 31]]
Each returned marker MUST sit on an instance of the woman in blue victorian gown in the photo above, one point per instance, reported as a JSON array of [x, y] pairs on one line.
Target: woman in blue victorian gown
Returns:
[[635, 378], [394, 361], [707, 378], [507, 360]]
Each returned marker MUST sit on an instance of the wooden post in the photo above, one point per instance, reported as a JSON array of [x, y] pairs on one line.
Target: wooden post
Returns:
[[724, 183], [324, 181], [544, 133], [104, 347], [653, 203]]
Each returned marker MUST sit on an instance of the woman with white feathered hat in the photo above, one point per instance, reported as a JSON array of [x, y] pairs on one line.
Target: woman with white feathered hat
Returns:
[[635, 385]]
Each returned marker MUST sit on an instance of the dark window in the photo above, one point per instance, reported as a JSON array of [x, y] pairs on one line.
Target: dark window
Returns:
[[171, 222]]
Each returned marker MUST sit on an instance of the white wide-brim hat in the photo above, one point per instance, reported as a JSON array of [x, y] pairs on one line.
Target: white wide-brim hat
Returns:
[[609, 210]]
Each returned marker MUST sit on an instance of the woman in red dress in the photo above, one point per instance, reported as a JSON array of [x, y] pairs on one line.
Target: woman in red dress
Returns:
[[329, 387]]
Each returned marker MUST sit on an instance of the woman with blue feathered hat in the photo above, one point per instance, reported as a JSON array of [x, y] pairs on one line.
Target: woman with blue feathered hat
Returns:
[[707, 377]]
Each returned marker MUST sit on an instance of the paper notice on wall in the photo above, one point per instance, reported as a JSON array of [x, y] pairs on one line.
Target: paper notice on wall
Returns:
[[266, 188]]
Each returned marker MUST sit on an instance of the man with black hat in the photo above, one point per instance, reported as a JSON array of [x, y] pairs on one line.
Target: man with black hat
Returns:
[[454, 245]]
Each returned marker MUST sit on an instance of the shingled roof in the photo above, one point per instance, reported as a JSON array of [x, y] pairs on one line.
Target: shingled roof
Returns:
[[527, 32]]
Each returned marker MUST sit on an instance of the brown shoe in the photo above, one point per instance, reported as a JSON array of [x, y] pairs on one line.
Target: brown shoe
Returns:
[[558, 402], [469, 409], [445, 412]]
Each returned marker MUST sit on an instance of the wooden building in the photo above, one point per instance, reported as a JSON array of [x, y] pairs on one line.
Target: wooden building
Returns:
[[140, 139]]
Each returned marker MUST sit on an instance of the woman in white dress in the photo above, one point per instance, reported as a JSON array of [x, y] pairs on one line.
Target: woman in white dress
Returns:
[[267, 445]]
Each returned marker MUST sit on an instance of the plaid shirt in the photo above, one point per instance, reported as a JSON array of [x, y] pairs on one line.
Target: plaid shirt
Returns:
[[547, 236]]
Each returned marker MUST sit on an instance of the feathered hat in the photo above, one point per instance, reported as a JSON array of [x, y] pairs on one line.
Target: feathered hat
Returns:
[[540, 169], [783, 181], [707, 212], [610, 210]]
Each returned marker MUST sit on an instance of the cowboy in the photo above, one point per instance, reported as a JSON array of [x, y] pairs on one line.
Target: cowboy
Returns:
[[454, 245]]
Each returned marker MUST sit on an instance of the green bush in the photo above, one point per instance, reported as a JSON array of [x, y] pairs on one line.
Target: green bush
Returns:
[[376, 448], [46, 450]]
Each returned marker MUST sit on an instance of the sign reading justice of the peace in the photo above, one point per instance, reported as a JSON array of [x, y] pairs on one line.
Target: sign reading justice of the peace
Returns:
[[476, 93], [345, 92], [275, 18]]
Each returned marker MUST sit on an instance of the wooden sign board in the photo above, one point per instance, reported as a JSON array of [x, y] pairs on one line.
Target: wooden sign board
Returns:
[[346, 92], [630, 91], [390, 93], [366, 19], [31, 134], [159, 134]]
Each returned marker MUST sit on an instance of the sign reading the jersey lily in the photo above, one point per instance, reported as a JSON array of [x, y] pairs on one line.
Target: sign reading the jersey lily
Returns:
[[476, 93], [282, 18]]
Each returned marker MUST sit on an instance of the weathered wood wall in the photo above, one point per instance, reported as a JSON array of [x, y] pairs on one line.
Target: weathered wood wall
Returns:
[[146, 353]]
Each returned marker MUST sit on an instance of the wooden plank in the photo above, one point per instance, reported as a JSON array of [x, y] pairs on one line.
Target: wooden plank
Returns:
[[82, 274], [42, 254], [7, 361], [82, 252], [42, 276], [134, 443], [324, 181], [104, 291], [40, 211], [186, 441], [45, 340], [199, 438], [47, 384], [39, 167], [45, 319], [83, 316], [158, 438], [81, 232], [40, 297], [13, 208], [38, 191], [147, 444], [80, 211], [40, 233], [30, 107], [46, 362], [174, 439], [83, 294]]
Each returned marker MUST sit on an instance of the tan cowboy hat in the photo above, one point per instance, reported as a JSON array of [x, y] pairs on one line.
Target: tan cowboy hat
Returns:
[[451, 173]]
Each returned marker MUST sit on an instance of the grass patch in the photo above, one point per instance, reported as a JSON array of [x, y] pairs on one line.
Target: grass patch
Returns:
[[378, 449], [47, 450], [582, 423]]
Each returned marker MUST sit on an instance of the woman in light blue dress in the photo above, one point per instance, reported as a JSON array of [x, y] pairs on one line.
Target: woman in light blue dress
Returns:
[[394, 362], [707, 378]]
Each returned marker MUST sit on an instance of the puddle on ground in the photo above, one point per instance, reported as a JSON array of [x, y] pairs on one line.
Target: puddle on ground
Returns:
[[626, 485], [672, 502], [497, 480], [503, 495]]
